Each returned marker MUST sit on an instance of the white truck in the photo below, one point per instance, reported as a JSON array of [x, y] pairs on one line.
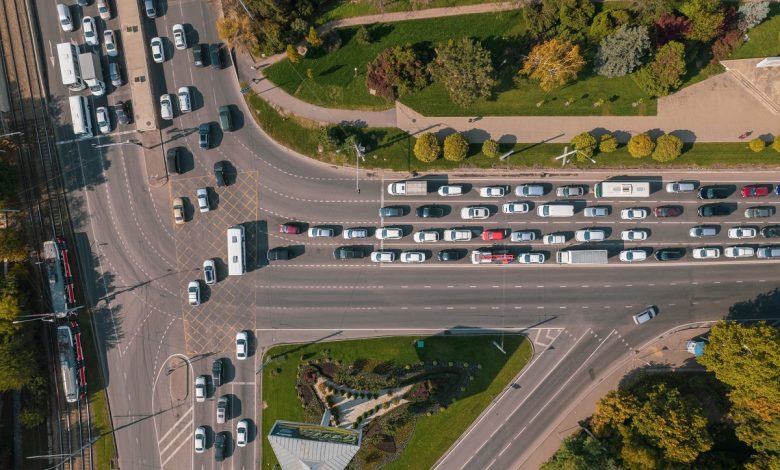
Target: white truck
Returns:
[[92, 73], [582, 257], [408, 188]]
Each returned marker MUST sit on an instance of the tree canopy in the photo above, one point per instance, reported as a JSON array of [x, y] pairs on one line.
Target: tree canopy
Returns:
[[553, 63], [623, 51], [465, 68]]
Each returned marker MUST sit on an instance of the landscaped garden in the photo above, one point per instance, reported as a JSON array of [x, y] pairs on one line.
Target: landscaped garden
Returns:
[[411, 396]]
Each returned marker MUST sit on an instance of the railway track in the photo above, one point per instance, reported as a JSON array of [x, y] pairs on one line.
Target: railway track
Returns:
[[42, 196]]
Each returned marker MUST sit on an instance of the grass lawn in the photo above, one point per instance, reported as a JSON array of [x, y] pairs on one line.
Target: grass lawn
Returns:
[[433, 434], [764, 38], [340, 9]]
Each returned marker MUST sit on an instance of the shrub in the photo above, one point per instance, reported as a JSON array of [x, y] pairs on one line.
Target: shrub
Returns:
[[723, 46], [608, 143], [363, 36], [664, 74], [671, 28], [585, 143], [313, 38], [751, 14], [622, 52], [640, 145], [396, 71], [292, 54], [706, 17], [776, 143], [667, 148], [574, 16], [490, 148], [456, 147], [648, 12], [606, 22], [427, 148], [757, 145]]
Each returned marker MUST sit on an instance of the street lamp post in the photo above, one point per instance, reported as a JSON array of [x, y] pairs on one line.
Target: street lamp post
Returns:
[[124, 142]]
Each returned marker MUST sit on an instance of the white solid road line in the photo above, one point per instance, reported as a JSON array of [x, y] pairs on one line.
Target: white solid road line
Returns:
[[185, 442]]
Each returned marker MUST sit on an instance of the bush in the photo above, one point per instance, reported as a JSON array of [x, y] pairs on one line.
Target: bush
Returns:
[[608, 143], [292, 54], [427, 148], [313, 38], [724, 45], [622, 52], [667, 148], [671, 28], [640, 145], [585, 143], [363, 36], [456, 147], [706, 17], [575, 16], [396, 71], [751, 14], [606, 22], [776, 143], [664, 74], [757, 145], [490, 148]]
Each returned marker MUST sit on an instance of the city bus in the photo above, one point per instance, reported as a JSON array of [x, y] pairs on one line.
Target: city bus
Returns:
[[68, 54], [80, 116], [236, 251], [622, 189]]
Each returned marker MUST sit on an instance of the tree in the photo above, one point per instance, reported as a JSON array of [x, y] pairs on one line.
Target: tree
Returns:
[[706, 17], [490, 148], [622, 52], [667, 148], [574, 16], [608, 143], [585, 143], [757, 145], [648, 12], [292, 54], [17, 361], [396, 71], [236, 30], [541, 17], [465, 68], [751, 14], [640, 145], [671, 28], [725, 44], [607, 22], [10, 305], [581, 451], [13, 245], [664, 74], [776, 144], [612, 413], [313, 38], [427, 148], [553, 63], [363, 36], [456, 147]]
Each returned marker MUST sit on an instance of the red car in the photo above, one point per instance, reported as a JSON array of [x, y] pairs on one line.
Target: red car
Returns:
[[755, 190], [493, 234], [290, 228], [667, 211]]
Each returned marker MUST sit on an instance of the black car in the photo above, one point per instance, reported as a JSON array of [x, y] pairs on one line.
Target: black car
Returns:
[[220, 443], [449, 255], [391, 211], [278, 254], [197, 55], [216, 373], [348, 252], [771, 231], [123, 112], [669, 254], [713, 210], [714, 192], [427, 212], [215, 55], [173, 159], [219, 174], [204, 136]]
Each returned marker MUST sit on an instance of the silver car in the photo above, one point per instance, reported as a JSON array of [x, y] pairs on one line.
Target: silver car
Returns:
[[321, 232], [531, 258], [645, 315], [351, 233], [200, 439], [185, 104], [166, 107], [529, 190], [203, 199], [516, 208], [389, 233], [179, 37], [523, 236], [110, 43], [382, 256]]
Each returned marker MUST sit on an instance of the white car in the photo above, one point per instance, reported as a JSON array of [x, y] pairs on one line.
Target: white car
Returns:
[[200, 388], [554, 239], [104, 10], [570, 191], [203, 199], [742, 232], [492, 191], [451, 190], [629, 256], [412, 257], [200, 439], [457, 235], [590, 235], [158, 52], [103, 119], [382, 256], [633, 213], [352, 233], [529, 190], [242, 433], [193, 293], [185, 104], [209, 272], [90, 31], [166, 107], [321, 232], [426, 236], [474, 212], [179, 37], [596, 211], [522, 236], [706, 253], [516, 208], [739, 252], [242, 345], [110, 43], [645, 315], [531, 258], [633, 235], [389, 233]]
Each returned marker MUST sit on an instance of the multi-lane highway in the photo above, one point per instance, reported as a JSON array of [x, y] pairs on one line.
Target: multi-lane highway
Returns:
[[139, 263]]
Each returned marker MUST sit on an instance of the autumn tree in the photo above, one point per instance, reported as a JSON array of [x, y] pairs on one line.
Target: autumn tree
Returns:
[[236, 31], [465, 68], [671, 28], [396, 71], [608, 143], [667, 148], [313, 38], [640, 145], [585, 143], [456, 147], [757, 144], [776, 144], [292, 54], [553, 63], [664, 74], [622, 52], [706, 17], [427, 148], [490, 148]]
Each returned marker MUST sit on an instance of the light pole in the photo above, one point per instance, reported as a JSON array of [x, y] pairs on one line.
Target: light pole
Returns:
[[124, 142], [48, 317], [359, 150]]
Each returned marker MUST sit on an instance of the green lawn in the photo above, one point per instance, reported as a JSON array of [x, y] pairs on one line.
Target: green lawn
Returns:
[[433, 434], [340, 9], [764, 38]]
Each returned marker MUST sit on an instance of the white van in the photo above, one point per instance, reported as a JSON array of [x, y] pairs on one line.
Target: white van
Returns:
[[63, 13], [236, 255], [555, 210]]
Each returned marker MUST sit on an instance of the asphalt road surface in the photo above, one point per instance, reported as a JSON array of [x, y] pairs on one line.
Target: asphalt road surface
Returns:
[[139, 262]]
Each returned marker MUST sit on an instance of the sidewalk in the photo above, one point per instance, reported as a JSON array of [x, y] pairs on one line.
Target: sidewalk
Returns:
[[666, 354]]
